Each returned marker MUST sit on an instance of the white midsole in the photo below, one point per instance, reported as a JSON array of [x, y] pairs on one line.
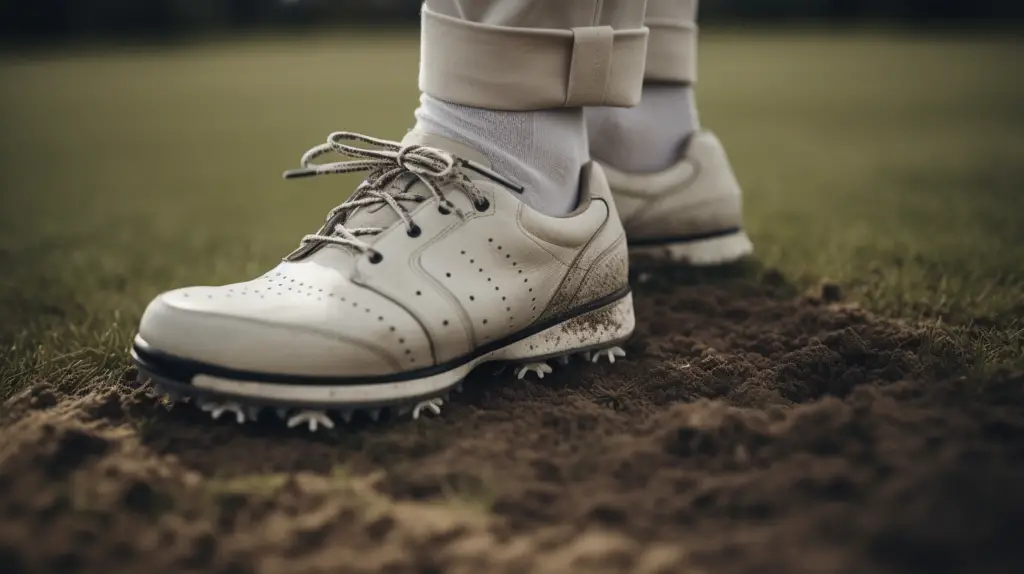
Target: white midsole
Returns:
[[712, 251], [609, 324]]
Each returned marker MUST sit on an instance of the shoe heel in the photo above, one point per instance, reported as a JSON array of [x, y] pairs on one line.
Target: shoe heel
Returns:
[[596, 330]]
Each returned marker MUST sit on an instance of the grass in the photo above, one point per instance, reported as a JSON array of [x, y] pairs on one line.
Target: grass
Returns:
[[891, 164]]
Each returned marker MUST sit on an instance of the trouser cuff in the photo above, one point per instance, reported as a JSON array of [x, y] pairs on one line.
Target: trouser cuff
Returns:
[[671, 52], [505, 68]]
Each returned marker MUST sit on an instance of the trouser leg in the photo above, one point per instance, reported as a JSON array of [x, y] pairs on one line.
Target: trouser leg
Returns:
[[672, 45]]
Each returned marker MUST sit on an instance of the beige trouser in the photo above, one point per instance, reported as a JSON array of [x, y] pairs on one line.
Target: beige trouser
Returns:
[[538, 54]]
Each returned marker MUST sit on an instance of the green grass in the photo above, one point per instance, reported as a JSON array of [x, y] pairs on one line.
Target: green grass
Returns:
[[891, 164]]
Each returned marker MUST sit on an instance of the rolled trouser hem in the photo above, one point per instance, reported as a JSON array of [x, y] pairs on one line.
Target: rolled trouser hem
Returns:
[[505, 68], [671, 52]]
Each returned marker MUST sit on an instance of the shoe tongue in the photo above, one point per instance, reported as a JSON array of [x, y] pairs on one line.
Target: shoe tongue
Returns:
[[453, 147]]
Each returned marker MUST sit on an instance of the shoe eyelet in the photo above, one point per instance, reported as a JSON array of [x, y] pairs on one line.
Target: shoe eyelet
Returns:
[[376, 257], [414, 231], [483, 205], [441, 207]]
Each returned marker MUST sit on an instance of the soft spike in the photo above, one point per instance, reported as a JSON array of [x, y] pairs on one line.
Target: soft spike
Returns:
[[374, 414], [346, 415], [564, 360], [458, 387], [540, 369], [433, 405], [216, 409], [610, 353], [313, 420], [282, 413]]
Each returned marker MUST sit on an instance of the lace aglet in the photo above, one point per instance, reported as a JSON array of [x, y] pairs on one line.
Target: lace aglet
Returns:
[[297, 173]]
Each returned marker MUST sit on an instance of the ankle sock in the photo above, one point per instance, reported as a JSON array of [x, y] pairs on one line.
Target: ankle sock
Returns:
[[646, 138], [543, 150]]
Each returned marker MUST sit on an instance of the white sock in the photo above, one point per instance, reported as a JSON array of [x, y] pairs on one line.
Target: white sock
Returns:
[[646, 138], [543, 150]]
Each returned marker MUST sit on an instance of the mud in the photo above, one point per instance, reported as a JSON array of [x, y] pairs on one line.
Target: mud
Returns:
[[750, 429]]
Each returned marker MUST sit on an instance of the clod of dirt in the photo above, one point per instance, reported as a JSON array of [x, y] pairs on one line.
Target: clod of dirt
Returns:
[[42, 396], [107, 406], [831, 292], [39, 396], [70, 449], [773, 277]]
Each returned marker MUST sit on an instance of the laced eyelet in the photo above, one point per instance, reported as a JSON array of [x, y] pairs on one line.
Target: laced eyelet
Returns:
[[376, 257], [414, 231], [482, 205]]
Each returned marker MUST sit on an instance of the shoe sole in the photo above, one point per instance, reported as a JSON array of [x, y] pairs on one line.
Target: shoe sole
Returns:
[[595, 332], [703, 250]]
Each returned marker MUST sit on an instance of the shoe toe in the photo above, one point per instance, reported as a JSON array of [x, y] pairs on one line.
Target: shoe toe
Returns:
[[236, 328]]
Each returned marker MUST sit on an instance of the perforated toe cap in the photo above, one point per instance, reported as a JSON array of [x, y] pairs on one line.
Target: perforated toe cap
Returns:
[[274, 325]]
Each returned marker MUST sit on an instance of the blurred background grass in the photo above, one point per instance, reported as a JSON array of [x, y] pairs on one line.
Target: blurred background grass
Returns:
[[888, 162]]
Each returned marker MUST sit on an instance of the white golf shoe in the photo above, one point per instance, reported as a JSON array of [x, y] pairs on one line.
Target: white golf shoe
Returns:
[[431, 268], [690, 213]]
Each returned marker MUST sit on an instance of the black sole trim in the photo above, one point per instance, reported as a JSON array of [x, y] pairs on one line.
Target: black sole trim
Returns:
[[194, 392], [684, 238], [173, 368]]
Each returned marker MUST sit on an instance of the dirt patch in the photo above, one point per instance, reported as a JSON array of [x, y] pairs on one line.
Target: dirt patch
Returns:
[[748, 430]]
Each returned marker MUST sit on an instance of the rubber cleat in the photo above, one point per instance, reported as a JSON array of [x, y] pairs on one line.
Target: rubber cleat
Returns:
[[217, 409], [564, 360], [610, 353], [432, 405], [313, 420], [540, 369], [374, 414]]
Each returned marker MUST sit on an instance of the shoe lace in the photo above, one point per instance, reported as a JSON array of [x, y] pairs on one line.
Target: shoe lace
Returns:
[[392, 161]]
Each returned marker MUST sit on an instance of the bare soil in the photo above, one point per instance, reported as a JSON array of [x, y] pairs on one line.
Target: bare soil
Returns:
[[749, 429]]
